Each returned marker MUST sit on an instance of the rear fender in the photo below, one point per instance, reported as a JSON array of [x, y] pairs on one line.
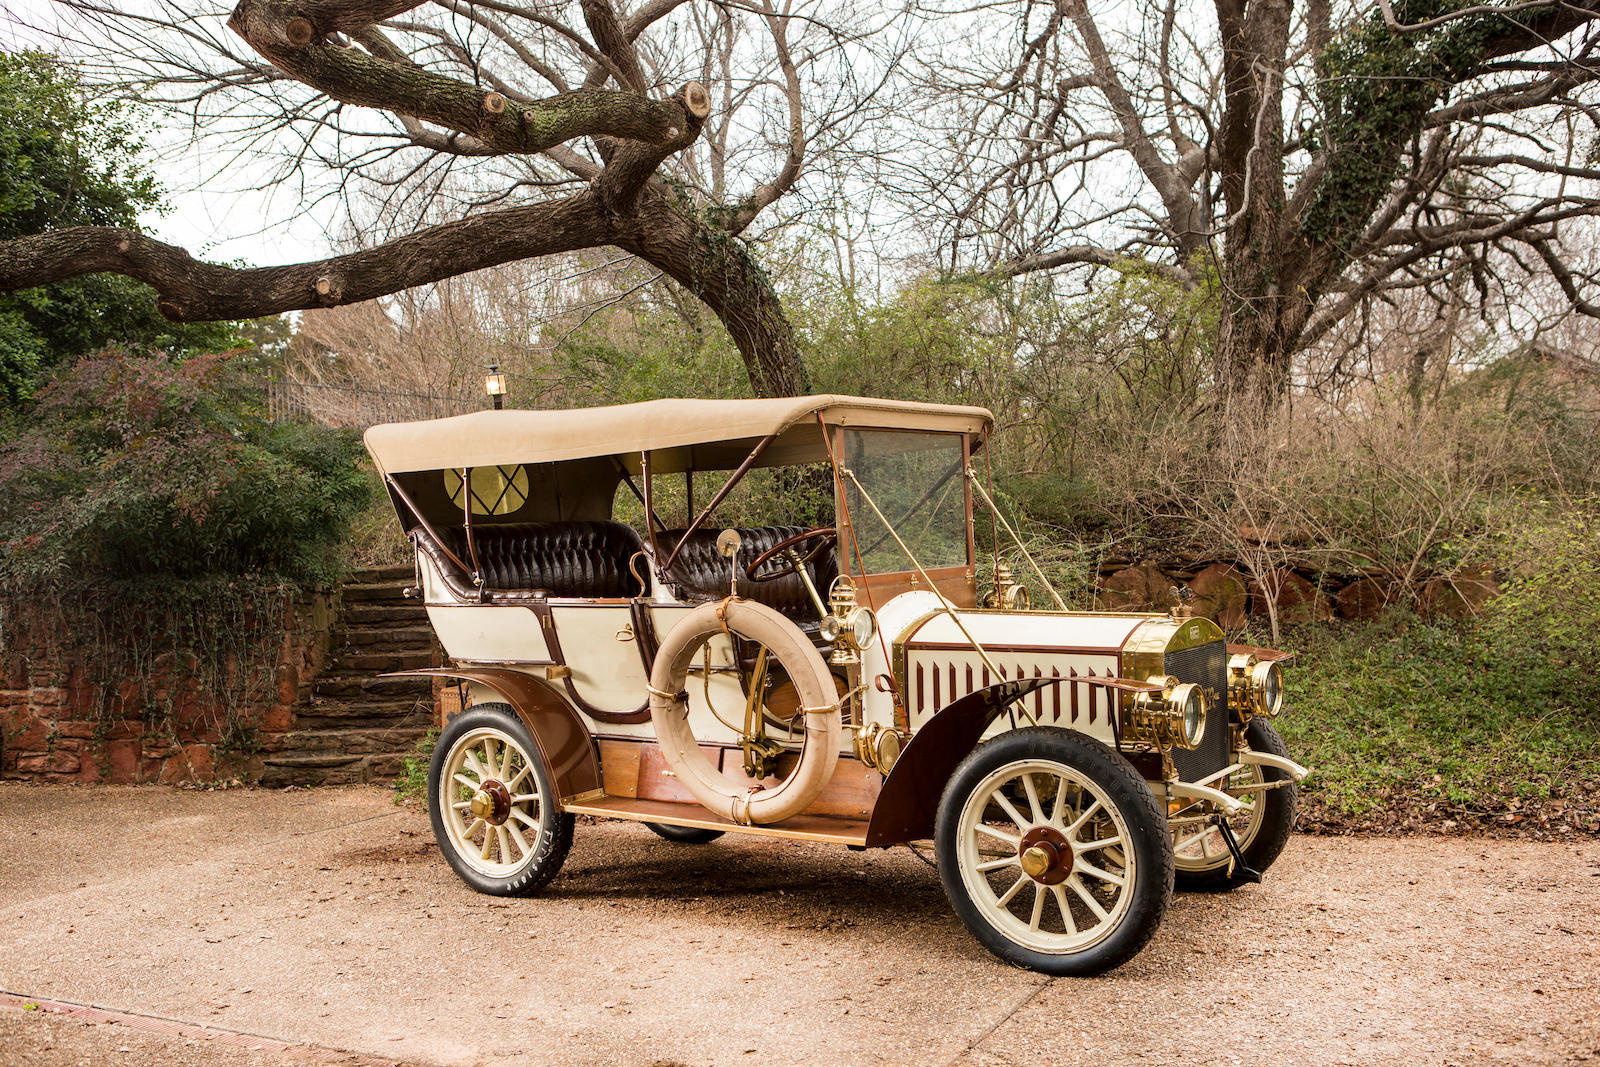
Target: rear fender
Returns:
[[909, 799], [563, 739]]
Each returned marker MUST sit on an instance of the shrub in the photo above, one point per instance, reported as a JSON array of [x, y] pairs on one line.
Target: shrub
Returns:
[[135, 466]]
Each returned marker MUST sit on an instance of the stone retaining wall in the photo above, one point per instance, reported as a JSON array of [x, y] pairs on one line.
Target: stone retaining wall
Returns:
[[56, 725]]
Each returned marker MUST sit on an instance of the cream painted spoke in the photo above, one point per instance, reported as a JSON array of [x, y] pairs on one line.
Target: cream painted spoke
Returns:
[[1022, 880], [1005, 805], [1087, 898], [1061, 804], [462, 805], [1077, 824], [525, 819], [1032, 792], [503, 839], [1038, 906], [1066, 909], [488, 843], [1011, 839], [474, 766], [1104, 876], [512, 783], [518, 840], [466, 783], [1095, 846], [470, 830], [995, 865], [523, 798]]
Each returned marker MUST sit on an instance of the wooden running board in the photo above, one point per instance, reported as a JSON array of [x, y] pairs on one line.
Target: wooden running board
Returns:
[[830, 830]]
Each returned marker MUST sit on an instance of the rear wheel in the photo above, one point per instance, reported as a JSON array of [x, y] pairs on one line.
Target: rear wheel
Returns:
[[493, 804], [1261, 829], [684, 835], [1053, 852]]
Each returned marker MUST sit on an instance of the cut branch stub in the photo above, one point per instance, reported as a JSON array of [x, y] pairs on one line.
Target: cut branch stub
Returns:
[[494, 103], [299, 32], [697, 100]]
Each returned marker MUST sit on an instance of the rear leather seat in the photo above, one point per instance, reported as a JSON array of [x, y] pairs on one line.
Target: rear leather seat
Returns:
[[526, 560]]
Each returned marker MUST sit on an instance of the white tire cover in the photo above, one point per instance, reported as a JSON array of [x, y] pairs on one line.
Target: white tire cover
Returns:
[[735, 798]]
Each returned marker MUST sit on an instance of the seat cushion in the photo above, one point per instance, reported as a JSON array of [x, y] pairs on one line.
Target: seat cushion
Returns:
[[700, 571], [570, 559]]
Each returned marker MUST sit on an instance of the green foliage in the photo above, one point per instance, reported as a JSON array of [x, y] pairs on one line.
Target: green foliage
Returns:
[[138, 466], [1377, 86], [412, 783], [67, 162], [1402, 716], [1547, 619]]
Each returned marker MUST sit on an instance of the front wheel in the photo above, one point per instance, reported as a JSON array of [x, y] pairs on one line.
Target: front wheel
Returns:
[[1261, 829], [493, 804], [1053, 852]]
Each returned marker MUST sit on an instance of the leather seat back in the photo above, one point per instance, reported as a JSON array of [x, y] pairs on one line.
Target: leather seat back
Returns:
[[570, 559], [701, 571]]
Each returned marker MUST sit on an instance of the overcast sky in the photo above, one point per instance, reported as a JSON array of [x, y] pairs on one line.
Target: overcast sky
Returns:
[[214, 214]]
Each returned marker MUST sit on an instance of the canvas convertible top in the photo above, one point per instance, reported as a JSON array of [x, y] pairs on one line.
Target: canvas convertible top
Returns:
[[699, 434]]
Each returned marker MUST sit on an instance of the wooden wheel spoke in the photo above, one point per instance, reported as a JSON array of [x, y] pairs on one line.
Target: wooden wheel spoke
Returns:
[[1105, 876], [525, 819], [993, 831], [1085, 816], [1010, 809], [1087, 897], [1038, 906], [995, 865], [1022, 880], [466, 783], [517, 839], [1032, 793], [1095, 846], [1065, 908]]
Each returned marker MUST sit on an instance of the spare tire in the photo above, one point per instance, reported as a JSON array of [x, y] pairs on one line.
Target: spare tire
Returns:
[[741, 799]]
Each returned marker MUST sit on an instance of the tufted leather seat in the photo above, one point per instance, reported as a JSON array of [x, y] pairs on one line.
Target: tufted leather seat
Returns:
[[701, 571], [567, 559]]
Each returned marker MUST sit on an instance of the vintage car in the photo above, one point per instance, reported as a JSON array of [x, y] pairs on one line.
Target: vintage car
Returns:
[[832, 675]]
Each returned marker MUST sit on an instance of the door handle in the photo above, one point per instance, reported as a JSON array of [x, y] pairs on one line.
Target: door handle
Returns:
[[625, 634]]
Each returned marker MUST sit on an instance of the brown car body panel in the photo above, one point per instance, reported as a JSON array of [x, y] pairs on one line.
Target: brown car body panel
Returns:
[[563, 739]]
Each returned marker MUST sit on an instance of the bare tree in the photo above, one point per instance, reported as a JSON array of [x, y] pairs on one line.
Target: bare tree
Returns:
[[1305, 159], [542, 136]]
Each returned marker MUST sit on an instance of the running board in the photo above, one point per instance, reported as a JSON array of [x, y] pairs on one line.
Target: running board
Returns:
[[820, 828]]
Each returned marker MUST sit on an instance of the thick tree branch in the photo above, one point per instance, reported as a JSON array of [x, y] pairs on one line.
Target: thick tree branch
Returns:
[[191, 290], [293, 44]]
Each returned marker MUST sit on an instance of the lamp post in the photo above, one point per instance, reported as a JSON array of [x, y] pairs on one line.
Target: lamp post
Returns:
[[495, 385]]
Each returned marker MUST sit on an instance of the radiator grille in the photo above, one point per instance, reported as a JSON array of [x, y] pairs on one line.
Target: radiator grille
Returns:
[[1208, 665]]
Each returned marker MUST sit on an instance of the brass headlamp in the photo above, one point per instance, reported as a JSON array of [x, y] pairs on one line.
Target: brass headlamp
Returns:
[[1174, 717], [1255, 686], [1008, 594], [849, 628]]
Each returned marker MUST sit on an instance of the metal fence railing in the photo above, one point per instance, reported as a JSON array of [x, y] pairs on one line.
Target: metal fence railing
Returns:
[[338, 405]]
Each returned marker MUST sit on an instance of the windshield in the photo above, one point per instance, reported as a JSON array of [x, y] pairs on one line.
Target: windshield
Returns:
[[916, 480]]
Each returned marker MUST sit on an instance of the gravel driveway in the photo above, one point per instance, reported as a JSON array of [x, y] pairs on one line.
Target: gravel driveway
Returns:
[[253, 927]]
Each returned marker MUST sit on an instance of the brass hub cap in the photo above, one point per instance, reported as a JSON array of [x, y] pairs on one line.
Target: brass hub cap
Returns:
[[1045, 855], [492, 803]]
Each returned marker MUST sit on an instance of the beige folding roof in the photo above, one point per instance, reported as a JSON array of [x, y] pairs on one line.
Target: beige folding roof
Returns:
[[678, 427]]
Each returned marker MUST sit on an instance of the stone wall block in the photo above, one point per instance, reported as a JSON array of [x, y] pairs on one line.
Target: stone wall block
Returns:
[[1221, 594], [1297, 599], [1141, 588], [1459, 596], [1363, 598]]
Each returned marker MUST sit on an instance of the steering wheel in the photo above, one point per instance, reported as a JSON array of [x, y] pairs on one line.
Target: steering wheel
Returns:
[[824, 536]]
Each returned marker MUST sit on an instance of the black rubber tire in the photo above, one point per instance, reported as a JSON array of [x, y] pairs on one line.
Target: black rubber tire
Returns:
[[1152, 845], [685, 835], [1277, 818], [555, 831]]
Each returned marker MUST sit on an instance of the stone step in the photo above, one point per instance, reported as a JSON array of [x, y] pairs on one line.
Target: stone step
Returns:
[[357, 592], [360, 714], [340, 684], [401, 739], [289, 769], [384, 661], [370, 612], [389, 637], [391, 573]]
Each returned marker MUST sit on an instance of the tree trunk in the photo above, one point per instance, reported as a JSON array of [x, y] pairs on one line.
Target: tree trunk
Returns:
[[718, 267]]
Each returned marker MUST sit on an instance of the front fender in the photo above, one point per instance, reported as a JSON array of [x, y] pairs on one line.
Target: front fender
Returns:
[[563, 739], [909, 799]]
